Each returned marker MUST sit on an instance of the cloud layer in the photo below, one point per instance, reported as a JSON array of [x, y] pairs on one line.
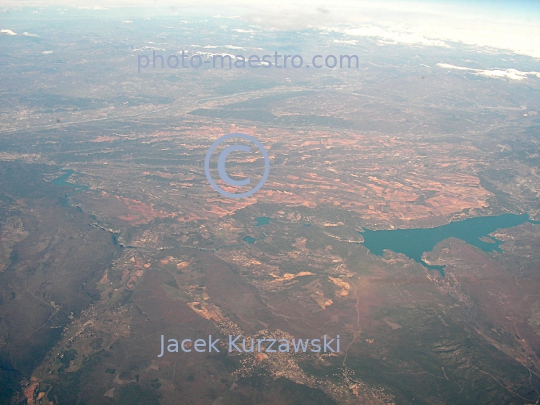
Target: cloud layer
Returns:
[[511, 26], [512, 74]]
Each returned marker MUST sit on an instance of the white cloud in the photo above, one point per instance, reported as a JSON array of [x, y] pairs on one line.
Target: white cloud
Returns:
[[222, 46], [244, 31], [8, 32], [392, 36], [350, 42], [488, 26], [89, 7], [512, 74], [26, 34], [492, 26], [222, 54]]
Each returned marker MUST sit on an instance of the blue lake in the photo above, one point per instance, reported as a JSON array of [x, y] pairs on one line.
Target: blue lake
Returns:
[[414, 242], [249, 239], [62, 181], [262, 221]]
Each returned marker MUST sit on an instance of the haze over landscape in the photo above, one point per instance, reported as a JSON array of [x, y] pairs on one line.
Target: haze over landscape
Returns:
[[400, 214]]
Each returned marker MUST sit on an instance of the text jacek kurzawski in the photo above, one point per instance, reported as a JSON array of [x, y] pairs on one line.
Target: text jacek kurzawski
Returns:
[[240, 344]]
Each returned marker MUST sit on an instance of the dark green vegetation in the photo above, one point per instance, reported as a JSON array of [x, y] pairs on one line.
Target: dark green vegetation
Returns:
[[280, 390], [446, 362], [53, 103], [259, 110], [133, 394], [269, 118], [54, 262]]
